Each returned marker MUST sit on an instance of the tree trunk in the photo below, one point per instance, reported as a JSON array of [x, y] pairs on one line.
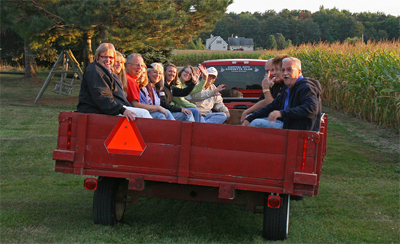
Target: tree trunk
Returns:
[[87, 51], [30, 64]]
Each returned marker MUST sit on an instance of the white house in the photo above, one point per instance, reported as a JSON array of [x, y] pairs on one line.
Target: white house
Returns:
[[241, 44], [216, 43]]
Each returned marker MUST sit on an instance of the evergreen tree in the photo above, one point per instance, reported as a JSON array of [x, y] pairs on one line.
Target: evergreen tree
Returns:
[[129, 24]]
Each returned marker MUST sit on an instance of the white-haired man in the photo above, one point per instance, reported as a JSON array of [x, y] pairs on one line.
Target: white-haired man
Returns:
[[298, 108]]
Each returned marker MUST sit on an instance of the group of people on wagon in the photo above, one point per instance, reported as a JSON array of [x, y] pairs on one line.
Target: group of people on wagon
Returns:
[[116, 85]]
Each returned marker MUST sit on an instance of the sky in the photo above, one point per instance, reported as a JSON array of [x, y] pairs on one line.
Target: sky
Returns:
[[391, 7]]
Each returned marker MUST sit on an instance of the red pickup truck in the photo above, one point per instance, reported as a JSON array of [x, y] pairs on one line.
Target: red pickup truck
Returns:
[[243, 75], [258, 167]]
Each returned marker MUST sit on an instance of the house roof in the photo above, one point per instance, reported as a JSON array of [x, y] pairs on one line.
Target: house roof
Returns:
[[240, 41], [213, 39]]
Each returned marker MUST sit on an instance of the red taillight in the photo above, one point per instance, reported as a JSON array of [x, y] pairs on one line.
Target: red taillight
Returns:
[[69, 133], [90, 184], [274, 201], [303, 165]]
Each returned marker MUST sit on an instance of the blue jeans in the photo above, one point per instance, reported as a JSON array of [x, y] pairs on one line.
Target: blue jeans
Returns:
[[264, 122], [215, 118], [195, 113], [183, 117], [159, 115]]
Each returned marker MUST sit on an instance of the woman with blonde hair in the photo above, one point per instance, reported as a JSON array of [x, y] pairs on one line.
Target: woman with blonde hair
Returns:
[[119, 69], [153, 92], [149, 90], [101, 91]]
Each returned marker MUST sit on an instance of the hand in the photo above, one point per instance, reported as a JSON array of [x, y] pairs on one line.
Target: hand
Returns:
[[130, 115], [186, 111], [274, 115], [162, 110], [196, 76], [267, 82], [246, 123], [204, 71], [218, 89], [244, 116]]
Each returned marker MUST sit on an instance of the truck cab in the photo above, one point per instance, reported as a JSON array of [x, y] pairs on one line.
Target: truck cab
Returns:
[[242, 75]]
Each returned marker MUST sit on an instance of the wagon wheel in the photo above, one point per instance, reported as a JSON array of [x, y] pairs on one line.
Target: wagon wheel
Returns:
[[276, 220], [108, 201]]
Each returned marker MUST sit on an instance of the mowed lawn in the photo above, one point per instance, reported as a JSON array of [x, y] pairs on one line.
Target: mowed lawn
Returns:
[[358, 202]]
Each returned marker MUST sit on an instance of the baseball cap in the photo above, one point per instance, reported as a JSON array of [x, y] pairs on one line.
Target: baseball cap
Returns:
[[212, 71]]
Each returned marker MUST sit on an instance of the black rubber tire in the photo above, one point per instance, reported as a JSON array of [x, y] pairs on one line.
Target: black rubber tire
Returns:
[[276, 220], [108, 201]]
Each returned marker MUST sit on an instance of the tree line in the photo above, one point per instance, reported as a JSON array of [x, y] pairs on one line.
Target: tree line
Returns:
[[37, 30], [271, 30], [44, 27]]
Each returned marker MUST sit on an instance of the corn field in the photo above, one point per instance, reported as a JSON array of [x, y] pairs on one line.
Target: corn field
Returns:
[[360, 79]]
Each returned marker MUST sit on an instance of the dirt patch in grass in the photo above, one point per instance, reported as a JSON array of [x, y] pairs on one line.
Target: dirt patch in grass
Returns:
[[383, 139]]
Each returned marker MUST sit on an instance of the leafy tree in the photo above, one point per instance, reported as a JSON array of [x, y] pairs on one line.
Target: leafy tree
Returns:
[[288, 43], [11, 51], [310, 32], [199, 44], [382, 35], [370, 34], [16, 16], [276, 24], [280, 41], [196, 44], [152, 55], [271, 43], [392, 27], [191, 45], [129, 24], [250, 28]]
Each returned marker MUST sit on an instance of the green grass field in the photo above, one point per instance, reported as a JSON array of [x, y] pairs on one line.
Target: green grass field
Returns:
[[359, 199]]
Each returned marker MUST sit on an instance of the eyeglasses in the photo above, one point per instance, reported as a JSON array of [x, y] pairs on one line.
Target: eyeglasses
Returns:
[[137, 65], [107, 57], [186, 72]]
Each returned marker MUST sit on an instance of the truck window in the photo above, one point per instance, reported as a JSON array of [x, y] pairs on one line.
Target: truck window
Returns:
[[240, 77]]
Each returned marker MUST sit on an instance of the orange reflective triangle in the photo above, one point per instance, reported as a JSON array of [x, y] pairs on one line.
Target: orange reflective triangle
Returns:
[[125, 138]]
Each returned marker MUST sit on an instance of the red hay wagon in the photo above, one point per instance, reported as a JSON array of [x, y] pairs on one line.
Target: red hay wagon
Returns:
[[257, 167]]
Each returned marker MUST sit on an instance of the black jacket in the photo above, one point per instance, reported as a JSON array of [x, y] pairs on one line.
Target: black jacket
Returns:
[[169, 91], [101, 92], [305, 107]]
